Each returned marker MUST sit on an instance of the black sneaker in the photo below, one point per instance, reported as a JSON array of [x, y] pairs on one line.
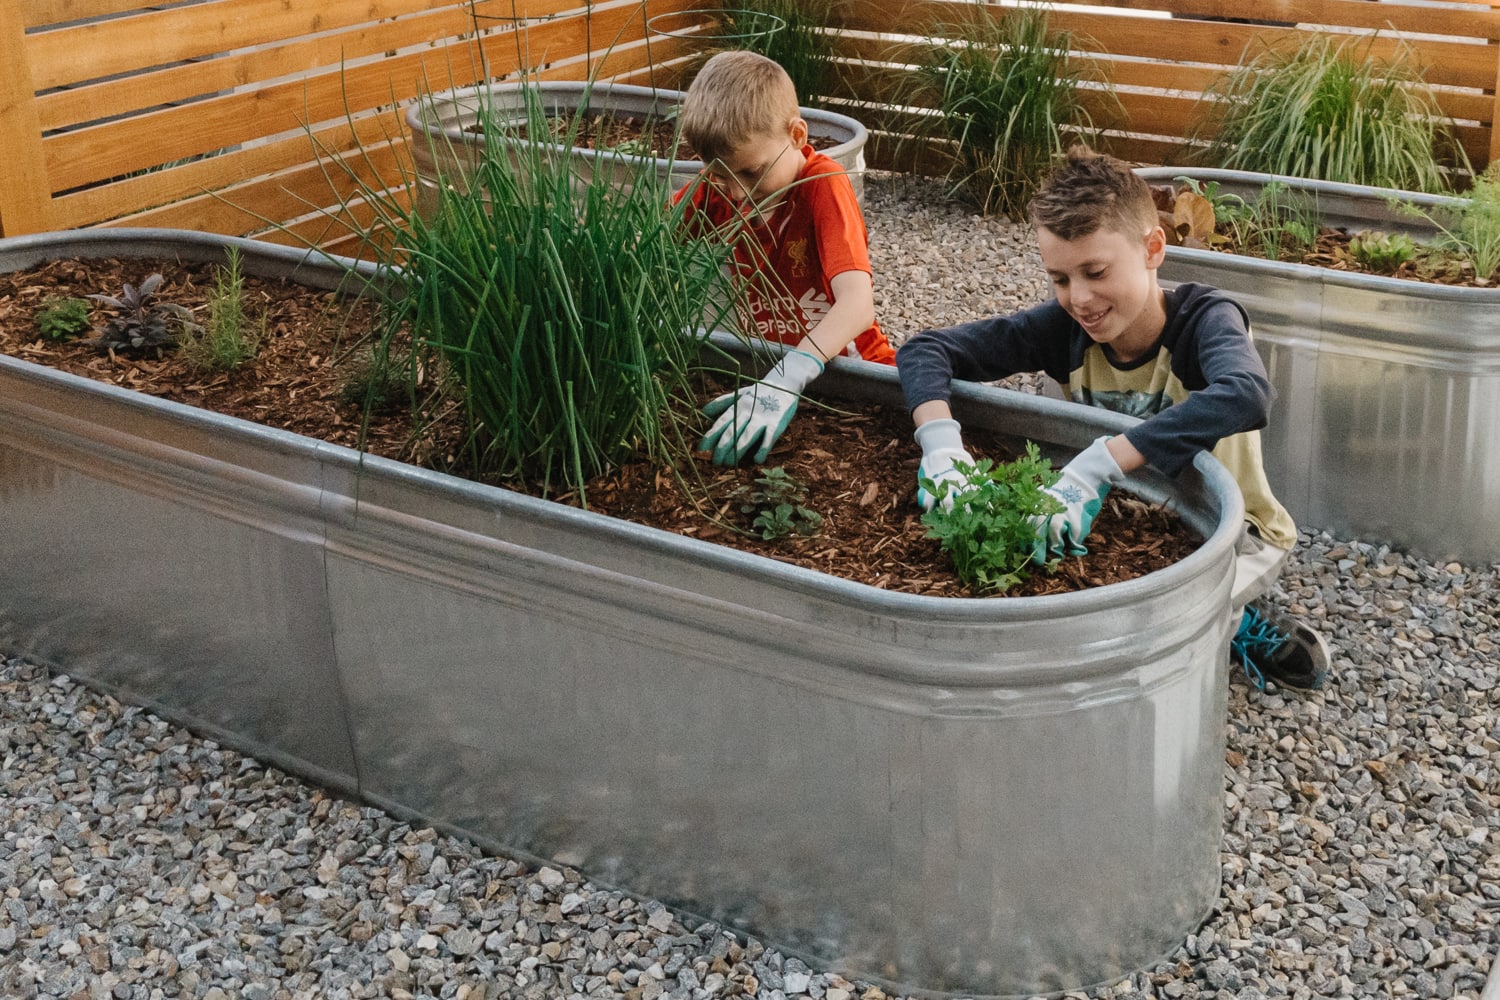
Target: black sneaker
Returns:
[[1274, 647]]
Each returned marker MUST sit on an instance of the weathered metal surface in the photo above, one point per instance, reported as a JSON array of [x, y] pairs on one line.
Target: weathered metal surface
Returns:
[[445, 143], [171, 555], [1002, 796], [1388, 412]]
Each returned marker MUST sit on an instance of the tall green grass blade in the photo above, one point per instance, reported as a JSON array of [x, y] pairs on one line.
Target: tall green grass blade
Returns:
[[1328, 110]]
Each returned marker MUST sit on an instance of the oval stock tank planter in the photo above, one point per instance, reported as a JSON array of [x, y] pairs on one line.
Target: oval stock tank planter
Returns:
[[445, 142], [1387, 421], [979, 797]]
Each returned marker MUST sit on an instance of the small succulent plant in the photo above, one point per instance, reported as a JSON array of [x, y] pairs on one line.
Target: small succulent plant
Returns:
[[1382, 252], [141, 322]]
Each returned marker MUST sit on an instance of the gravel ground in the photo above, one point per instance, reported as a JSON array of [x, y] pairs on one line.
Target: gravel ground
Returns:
[[139, 861]]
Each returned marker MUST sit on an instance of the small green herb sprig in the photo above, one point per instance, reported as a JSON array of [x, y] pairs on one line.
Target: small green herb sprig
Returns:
[[63, 318], [988, 533], [1475, 233], [776, 499], [229, 337], [141, 323]]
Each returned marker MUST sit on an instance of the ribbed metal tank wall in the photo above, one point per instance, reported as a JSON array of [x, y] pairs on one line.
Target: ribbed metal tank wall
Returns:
[[982, 797], [447, 137], [1388, 416]]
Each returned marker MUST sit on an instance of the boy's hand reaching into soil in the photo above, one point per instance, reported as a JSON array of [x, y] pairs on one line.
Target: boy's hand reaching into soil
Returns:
[[758, 414], [1081, 488], [942, 445]]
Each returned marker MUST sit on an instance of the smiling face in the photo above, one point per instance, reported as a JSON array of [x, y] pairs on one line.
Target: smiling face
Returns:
[[1107, 282], [760, 170]]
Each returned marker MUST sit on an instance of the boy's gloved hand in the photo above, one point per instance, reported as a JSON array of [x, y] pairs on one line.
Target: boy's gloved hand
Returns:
[[1081, 488], [758, 414], [942, 444]]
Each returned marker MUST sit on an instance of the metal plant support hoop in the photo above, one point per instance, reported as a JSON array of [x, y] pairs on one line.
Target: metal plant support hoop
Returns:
[[727, 20]]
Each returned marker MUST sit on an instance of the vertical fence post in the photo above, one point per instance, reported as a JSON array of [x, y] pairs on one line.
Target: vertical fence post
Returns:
[[25, 195], [1495, 103]]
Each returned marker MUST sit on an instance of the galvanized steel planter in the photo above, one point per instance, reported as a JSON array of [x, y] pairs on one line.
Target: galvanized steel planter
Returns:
[[1387, 425], [445, 145], [980, 796]]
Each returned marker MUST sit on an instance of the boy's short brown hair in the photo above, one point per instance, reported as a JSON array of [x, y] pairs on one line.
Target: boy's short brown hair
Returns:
[[736, 96], [1089, 192]]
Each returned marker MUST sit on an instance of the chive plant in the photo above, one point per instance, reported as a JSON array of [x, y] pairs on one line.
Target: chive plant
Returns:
[[566, 309], [1328, 110], [1009, 100]]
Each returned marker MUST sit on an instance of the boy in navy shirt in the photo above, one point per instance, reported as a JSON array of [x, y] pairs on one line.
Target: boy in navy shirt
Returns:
[[1113, 337]]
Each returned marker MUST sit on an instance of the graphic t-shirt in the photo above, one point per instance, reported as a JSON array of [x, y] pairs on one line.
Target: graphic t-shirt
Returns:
[[815, 234]]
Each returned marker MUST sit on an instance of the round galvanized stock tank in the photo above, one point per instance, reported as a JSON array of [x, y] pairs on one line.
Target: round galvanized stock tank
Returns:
[[444, 143], [967, 797]]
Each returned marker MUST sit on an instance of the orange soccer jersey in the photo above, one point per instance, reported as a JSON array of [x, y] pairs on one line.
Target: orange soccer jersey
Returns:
[[815, 234]]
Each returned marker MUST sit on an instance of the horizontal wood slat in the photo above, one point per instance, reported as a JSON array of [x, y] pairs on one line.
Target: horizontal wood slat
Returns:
[[205, 114], [1483, 22], [219, 173], [117, 147]]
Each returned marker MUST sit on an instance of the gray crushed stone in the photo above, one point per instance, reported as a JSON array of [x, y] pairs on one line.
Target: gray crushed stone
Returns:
[[1359, 857]]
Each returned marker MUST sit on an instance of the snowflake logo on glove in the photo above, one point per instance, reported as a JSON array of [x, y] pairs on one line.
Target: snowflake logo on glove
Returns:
[[1069, 494]]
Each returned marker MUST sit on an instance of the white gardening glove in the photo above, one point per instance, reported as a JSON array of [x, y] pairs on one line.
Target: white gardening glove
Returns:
[[758, 414], [1081, 488], [942, 444]]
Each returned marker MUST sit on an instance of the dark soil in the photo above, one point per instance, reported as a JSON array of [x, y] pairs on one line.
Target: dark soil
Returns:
[[1330, 249], [859, 468]]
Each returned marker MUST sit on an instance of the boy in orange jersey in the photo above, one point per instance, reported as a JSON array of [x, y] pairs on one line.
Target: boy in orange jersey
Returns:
[[799, 242]]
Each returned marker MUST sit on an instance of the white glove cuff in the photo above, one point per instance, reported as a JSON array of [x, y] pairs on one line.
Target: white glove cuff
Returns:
[[939, 435], [1096, 465], [794, 371]]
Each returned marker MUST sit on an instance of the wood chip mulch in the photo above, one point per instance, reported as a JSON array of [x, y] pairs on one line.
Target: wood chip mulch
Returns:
[[859, 467]]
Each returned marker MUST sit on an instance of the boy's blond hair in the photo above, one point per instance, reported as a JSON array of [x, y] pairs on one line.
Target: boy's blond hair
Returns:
[[736, 97], [1089, 192]]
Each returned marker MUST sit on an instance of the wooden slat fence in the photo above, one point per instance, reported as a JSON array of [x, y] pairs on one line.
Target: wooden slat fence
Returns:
[[204, 114], [1161, 55]]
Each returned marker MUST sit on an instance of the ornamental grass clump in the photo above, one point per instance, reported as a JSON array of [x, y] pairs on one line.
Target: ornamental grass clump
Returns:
[[1009, 97], [1329, 110], [566, 310], [799, 39]]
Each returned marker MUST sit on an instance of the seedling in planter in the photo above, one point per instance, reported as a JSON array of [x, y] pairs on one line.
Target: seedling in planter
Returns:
[[230, 337], [379, 382], [989, 533], [776, 499], [141, 322], [1473, 232], [63, 319], [1382, 253]]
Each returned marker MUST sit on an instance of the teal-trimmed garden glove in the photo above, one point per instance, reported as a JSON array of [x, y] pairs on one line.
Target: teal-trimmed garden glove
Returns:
[[755, 416], [1081, 488], [942, 445]]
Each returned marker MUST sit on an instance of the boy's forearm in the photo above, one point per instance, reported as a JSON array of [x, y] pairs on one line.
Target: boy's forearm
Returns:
[[933, 409], [852, 313]]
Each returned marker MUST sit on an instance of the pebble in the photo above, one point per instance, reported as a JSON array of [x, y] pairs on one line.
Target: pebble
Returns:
[[138, 861]]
